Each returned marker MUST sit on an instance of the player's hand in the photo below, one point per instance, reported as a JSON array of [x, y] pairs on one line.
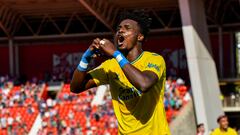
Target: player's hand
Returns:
[[95, 47], [107, 47], [95, 44]]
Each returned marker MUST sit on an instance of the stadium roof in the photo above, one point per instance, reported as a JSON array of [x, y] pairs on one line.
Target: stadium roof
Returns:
[[34, 18]]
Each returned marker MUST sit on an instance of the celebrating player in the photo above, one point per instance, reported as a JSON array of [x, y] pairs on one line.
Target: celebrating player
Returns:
[[136, 77]]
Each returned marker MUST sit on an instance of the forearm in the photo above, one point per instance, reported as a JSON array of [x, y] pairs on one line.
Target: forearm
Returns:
[[77, 83], [80, 79], [141, 80]]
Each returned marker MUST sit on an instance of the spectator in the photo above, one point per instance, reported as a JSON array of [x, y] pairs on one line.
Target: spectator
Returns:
[[30, 109], [223, 128], [78, 130], [50, 103], [71, 115], [10, 124], [3, 122], [18, 118], [200, 129]]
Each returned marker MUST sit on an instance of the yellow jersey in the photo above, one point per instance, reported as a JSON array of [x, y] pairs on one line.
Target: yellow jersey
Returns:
[[137, 113], [229, 131]]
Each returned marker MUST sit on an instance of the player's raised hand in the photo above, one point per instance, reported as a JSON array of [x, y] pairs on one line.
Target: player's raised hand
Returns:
[[107, 47], [95, 44]]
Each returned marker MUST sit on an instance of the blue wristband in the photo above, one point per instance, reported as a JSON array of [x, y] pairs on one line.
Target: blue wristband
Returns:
[[88, 53], [86, 57], [122, 61]]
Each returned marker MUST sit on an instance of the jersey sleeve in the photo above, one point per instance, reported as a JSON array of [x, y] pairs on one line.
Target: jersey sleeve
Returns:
[[99, 75], [156, 64]]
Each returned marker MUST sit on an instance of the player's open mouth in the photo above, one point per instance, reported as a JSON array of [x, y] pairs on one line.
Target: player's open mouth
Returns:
[[120, 40]]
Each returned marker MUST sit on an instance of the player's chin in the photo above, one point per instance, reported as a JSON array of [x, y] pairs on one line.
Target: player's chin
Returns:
[[122, 47]]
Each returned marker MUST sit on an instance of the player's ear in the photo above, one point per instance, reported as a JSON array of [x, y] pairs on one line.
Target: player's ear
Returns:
[[140, 37]]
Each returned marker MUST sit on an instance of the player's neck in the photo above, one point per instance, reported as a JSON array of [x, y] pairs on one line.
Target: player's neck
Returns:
[[223, 129], [134, 54]]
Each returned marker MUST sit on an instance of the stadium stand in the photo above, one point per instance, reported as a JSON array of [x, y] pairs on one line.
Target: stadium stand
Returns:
[[69, 113], [63, 29], [18, 107]]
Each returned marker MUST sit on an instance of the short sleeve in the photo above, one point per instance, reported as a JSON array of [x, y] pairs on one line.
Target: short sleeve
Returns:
[[156, 64], [99, 75]]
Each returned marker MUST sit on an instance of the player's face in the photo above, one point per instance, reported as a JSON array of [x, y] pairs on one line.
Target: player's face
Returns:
[[224, 123], [202, 129], [127, 34]]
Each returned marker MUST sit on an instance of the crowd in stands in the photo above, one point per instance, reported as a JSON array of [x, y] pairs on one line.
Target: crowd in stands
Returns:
[[18, 105], [73, 114], [68, 113], [176, 95]]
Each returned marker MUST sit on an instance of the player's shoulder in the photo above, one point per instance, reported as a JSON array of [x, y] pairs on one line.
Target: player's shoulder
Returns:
[[153, 56], [231, 130], [215, 131]]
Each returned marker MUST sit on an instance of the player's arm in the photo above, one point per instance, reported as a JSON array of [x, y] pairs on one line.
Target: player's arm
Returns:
[[81, 80], [142, 80]]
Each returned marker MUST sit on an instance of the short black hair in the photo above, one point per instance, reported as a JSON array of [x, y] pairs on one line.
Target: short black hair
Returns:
[[221, 117], [199, 125], [141, 17]]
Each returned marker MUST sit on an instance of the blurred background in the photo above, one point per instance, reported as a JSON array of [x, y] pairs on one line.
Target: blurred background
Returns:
[[41, 43]]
